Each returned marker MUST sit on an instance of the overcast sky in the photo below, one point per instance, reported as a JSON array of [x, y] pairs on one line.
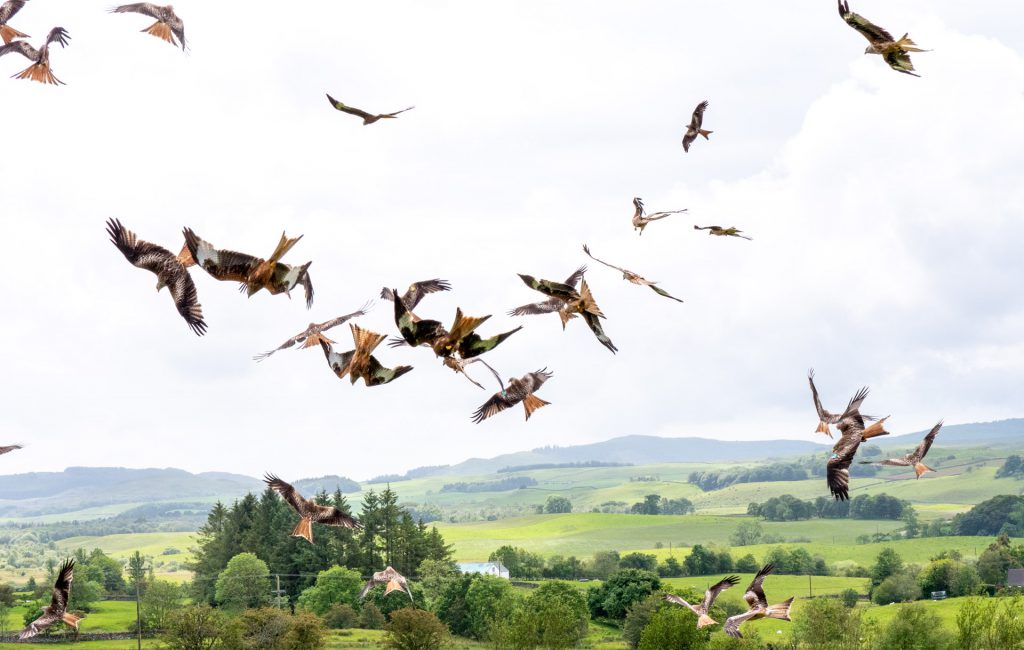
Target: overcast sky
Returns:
[[887, 214]]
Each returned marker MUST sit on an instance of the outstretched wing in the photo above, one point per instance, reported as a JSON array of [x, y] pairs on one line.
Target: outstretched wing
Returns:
[[756, 589], [498, 403], [186, 298], [331, 516], [733, 623], [351, 110], [926, 444], [146, 8], [22, 48], [823, 415], [376, 374], [698, 116], [712, 593], [290, 494], [221, 264], [875, 34], [417, 290], [548, 306], [138, 252], [661, 292], [58, 35], [586, 250], [8, 449], [473, 345], [9, 8], [397, 112], [576, 276], [62, 587], [837, 471], [672, 598], [594, 323]]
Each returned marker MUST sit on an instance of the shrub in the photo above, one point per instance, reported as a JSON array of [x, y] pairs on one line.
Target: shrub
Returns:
[[849, 597], [673, 629], [333, 586], [341, 617], [193, 628], [913, 628], [897, 588], [415, 629], [560, 613], [827, 624], [622, 589], [370, 618], [306, 633], [257, 629]]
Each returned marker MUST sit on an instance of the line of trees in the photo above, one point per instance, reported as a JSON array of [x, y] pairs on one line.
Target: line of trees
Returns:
[[789, 508], [655, 504], [708, 481], [499, 485]]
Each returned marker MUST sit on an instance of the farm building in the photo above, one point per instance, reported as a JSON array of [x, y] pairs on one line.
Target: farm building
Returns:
[[488, 568], [1015, 578]]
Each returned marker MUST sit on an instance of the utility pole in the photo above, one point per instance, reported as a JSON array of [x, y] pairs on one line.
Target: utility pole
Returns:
[[810, 589], [278, 591], [138, 613]]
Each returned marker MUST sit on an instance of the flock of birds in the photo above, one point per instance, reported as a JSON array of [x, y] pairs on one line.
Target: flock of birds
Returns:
[[457, 346]]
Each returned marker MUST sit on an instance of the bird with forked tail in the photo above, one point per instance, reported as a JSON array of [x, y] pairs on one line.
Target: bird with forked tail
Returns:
[[367, 117], [167, 26], [40, 69], [314, 333], [641, 218], [360, 362], [702, 610], [914, 458], [254, 273], [694, 128], [57, 610], [852, 432], [309, 510], [719, 231], [757, 605], [520, 389], [895, 52], [7, 11], [394, 580]]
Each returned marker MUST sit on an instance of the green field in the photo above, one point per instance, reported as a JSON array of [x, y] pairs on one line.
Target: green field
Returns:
[[151, 545], [107, 616], [584, 533]]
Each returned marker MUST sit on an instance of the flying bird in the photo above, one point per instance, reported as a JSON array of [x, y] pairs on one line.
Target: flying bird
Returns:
[[719, 231], [167, 24], [519, 390], [254, 273], [459, 364], [576, 302], [826, 417], [704, 607], [640, 219], [881, 42], [360, 362], [852, 433], [553, 304], [313, 334], [169, 270], [7, 11], [757, 605], [367, 118], [633, 277], [914, 458], [8, 449], [394, 580], [40, 68], [309, 510], [693, 130], [416, 291], [461, 338], [57, 609]]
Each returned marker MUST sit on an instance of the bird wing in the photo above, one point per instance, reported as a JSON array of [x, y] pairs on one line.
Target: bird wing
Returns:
[[177, 26], [889, 462], [576, 276], [349, 109], [661, 292], [823, 414], [22, 48], [586, 250], [851, 419], [755, 591], [221, 264], [186, 298], [499, 402], [290, 494], [376, 374], [58, 35], [926, 444], [464, 325], [594, 323], [8, 449], [307, 287], [672, 598], [698, 116], [875, 34], [62, 587], [331, 516], [837, 470], [712, 593], [494, 372], [414, 331], [35, 627], [334, 322], [473, 345], [899, 60], [397, 112], [417, 290], [139, 253], [548, 306], [146, 8], [8, 9], [733, 623]]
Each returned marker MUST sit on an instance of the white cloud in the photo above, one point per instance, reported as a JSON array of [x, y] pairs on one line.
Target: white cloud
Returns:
[[885, 212]]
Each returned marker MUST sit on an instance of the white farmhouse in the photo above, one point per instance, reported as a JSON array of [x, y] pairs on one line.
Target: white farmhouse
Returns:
[[487, 568]]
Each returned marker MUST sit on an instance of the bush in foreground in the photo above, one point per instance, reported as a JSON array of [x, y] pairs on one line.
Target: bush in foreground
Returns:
[[415, 629]]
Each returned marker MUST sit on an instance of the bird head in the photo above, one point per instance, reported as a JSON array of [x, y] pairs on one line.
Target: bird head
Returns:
[[160, 283]]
